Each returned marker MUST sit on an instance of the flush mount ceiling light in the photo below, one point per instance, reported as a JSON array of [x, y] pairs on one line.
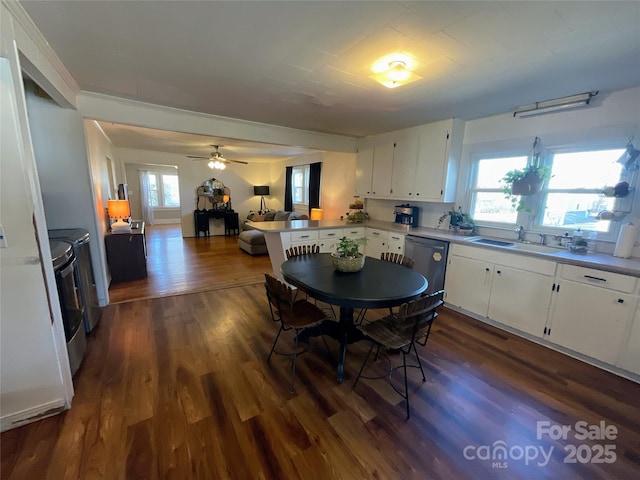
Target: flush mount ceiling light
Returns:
[[394, 71], [555, 105]]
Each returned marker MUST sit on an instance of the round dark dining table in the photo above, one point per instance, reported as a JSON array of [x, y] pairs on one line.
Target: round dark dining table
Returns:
[[379, 284]]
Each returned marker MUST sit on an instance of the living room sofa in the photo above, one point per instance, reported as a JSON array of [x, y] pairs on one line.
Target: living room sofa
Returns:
[[251, 240]]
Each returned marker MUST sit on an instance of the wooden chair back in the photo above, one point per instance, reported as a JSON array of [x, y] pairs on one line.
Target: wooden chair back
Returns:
[[397, 258], [416, 317], [298, 250], [280, 295]]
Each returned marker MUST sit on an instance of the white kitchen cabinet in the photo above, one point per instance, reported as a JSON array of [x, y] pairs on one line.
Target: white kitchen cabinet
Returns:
[[364, 171], [436, 173], [405, 157], [382, 166], [510, 289], [395, 243], [468, 284], [591, 311], [630, 357], [376, 242], [329, 239], [299, 238], [520, 299]]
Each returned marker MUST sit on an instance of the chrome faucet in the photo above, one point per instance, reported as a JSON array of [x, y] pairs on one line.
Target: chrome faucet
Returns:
[[520, 231], [543, 238]]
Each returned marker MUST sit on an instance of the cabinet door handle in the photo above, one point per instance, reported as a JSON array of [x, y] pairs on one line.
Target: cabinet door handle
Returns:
[[487, 269], [620, 300], [498, 272], [331, 234], [596, 279], [304, 236]]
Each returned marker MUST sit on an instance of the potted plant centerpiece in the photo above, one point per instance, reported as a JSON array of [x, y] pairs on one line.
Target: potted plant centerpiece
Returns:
[[347, 257], [459, 221]]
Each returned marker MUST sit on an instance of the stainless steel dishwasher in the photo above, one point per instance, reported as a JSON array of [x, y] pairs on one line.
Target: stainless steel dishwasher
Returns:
[[430, 257]]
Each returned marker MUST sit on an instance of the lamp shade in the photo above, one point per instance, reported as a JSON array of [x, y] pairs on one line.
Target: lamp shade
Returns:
[[118, 209], [316, 214], [261, 190]]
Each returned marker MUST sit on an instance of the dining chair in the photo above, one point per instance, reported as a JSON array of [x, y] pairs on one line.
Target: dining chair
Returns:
[[397, 258], [291, 314], [298, 250], [402, 331]]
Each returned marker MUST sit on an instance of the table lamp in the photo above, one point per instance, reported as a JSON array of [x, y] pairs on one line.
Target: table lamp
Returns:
[[119, 211], [316, 214]]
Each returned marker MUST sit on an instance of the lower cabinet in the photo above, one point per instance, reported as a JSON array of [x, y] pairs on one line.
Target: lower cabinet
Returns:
[[520, 299], [516, 297], [590, 317], [468, 284], [630, 357], [376, 242], [329, 239]]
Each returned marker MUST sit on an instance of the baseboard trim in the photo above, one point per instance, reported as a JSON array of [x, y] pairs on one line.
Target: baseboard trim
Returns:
[[32, 414]]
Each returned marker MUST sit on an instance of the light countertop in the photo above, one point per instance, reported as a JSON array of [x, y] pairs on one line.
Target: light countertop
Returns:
[[602, 261]]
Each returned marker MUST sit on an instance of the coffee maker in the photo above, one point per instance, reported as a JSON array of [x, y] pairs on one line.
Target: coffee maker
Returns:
[[407, 215]]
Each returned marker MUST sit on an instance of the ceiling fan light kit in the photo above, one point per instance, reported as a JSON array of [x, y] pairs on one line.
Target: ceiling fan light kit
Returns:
[[217, 161], [555, 105]]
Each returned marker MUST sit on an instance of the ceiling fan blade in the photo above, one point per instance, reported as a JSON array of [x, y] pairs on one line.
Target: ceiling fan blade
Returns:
[[237, 161], [196, 156]]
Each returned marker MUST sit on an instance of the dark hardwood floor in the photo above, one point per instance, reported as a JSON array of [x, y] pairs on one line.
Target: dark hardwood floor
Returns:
[[178, 387], [177, 265]]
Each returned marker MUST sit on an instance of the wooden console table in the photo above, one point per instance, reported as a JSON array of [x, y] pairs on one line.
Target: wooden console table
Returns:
[[201, 221], [127, 254]]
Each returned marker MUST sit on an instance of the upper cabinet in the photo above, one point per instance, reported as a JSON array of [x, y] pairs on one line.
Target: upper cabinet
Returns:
[[419, 163], [438, 161]]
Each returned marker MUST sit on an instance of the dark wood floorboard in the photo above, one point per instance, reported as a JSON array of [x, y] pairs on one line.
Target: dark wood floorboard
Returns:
[[178, 387]]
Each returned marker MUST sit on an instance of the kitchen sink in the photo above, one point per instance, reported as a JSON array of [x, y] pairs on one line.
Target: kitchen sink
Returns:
[[490, 241], [520, 246], [534, 247]]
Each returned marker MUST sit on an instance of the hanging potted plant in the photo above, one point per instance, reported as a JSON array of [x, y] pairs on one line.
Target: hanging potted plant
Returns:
[[526, 181]]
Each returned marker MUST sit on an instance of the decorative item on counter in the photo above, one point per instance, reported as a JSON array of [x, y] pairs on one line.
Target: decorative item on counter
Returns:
[[626, 240], [459, 222], [357, 213], [347, 257], [578, 244]]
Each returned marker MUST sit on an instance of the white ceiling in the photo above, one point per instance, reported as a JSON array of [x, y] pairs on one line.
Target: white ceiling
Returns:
[[305, 64]]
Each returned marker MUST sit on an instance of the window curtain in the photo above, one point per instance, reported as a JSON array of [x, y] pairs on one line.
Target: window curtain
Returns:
[[314, 185], [288, 200], [147, 209]]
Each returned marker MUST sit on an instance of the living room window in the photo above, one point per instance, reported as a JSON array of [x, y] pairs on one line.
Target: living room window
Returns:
[[163, 190], [300, 185]]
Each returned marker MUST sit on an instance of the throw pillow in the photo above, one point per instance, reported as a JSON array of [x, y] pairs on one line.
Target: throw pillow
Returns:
[[281, 216], [257, 218], [269, 216]]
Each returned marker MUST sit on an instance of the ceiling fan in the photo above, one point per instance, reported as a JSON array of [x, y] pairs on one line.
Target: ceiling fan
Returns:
[[217, 161]]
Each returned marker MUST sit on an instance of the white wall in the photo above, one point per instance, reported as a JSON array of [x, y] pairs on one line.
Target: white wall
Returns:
[[611, 120], [239, 178], [60, 148], [34, 366], [99, 149], [337, 181]]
